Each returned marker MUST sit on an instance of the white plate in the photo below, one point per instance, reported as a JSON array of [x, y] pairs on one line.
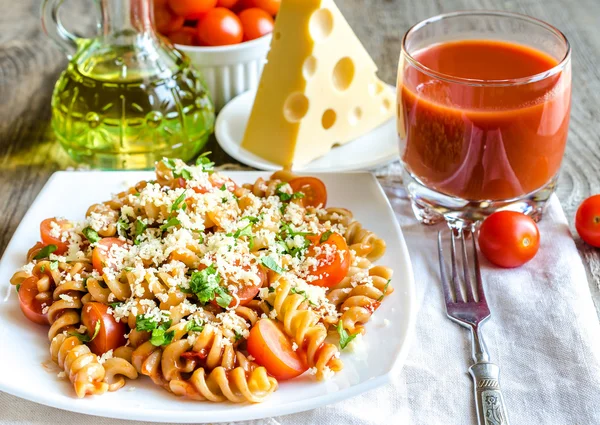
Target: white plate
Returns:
[[376, 148], [25, 345]]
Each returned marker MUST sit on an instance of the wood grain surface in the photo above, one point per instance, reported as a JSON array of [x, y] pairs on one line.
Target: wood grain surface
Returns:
[[30, 64]]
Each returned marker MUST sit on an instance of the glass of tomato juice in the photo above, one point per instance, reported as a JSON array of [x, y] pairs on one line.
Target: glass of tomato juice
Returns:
[[484, 102]]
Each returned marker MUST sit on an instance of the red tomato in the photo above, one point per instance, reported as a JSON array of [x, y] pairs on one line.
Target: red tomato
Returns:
[[273, 349], [587, 220], [315, 192], [166, 21], [331, 269], [30, 306], [509, 238], [186, 36], [255, 23], [48, 239], [101, 252], [226, 3], [220, 27], [191, 9], [269, 6], [246, 291], [111, 334]]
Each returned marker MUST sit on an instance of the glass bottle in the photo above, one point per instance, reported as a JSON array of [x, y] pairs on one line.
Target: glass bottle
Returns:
[[127, 97]]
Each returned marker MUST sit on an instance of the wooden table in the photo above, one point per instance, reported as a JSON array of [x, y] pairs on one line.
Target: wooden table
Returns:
[[30, 64]]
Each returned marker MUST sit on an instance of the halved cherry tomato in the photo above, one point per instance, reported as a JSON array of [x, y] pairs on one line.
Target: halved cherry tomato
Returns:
[[186, 36], [102, 251], [509, 238], [219, 27], [273, 349], [333, 259], [256, 23], [111, 334], [314, 190], [166, 21], [587, 220], [246, 291], [269, 6], [226, 3], [30, 306], [191, 9], [46, 234]]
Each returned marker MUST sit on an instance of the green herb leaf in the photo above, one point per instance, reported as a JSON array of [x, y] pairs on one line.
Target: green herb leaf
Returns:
[[325, 236], [252, 220], [144, 324], [45, 252], [224, 187], [122, 227], [91, 234], [344, 337], [177, 204], [284, 197], [53, 265], [222, 297], [170, 163], [271, 264], [43, 269], [173, 221], [18, 287], [205, 284], [185, 173], [115, 305], [205, 163], [271, 289], [385, 288], [140, 226], [85, 337], [238, 336], [193, 326], [161, 336]]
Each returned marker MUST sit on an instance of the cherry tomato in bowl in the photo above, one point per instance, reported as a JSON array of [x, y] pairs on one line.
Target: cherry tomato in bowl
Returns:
[[587, 220], [166, 21], [101, 253], [269, 6], [110, 335], [220, 27], [333, 259], [30, 306], [509, 239], [186, 36], [191, 9], [314, 190], [256, 23], [48, 229], [271, 348]]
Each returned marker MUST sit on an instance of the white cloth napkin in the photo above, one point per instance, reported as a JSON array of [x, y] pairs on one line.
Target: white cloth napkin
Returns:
[[544, 334]]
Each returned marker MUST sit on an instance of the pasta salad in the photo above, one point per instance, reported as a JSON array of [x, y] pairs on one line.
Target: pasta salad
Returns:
[[213, 290]]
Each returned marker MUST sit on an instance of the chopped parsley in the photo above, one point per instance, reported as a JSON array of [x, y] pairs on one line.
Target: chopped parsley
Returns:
[[193, 326], [140, 226], [384, 290], [206, 164], [269, 263], [244, 231], [172, 165], [238, 336], [18, 287], [122, 227], [344, 337], [224, 187], [45, 252], [177, 205], [160, 333], [91, 234], [284, 197], [53, 265], [115, 305], [173, 221], [325, 236], [85, 337], [205, 284]]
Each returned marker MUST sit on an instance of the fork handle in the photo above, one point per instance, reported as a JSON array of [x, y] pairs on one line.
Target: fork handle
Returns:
[[489, 401]]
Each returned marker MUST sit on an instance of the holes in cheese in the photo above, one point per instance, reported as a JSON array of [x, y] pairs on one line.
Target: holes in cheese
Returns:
[[310, 67], [343, 73], [355, 115], [328, 119], [320, 25], [295, 107], [386, 105]]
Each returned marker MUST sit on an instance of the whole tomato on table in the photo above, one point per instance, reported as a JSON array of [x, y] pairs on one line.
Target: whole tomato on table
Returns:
[[587, 220]]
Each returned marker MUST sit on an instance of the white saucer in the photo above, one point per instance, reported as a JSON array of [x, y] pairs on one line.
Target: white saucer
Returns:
[[376, 148]]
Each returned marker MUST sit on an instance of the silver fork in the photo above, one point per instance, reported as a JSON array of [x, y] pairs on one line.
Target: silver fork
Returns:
[[471, 313]]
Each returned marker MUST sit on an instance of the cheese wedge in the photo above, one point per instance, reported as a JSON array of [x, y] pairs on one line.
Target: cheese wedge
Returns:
[[318, 89]]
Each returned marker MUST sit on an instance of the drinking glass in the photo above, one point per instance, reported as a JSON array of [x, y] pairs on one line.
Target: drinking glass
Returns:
[[469, 145]]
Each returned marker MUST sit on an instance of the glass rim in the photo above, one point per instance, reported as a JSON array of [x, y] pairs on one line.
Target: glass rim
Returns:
[[487, 82]]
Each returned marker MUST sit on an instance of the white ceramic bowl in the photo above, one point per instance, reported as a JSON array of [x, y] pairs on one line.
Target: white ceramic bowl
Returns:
[[230, 70]]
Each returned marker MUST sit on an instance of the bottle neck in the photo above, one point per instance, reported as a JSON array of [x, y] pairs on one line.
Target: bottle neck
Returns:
[[123, 20]]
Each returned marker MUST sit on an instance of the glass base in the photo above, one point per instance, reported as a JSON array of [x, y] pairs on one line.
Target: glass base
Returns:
[[432, 207]]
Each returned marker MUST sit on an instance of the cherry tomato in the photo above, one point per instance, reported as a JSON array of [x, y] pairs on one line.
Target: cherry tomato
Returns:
[[102, 251], [226, 3], [30, 306], [186, 36], [166, 21], [587, 220], [509, 238], [191, 9], [314, 190], [220, 27], [46, 230], [111, 334], [246, 291], [269, 6], [255, 23], [333, 259], [273, 349]]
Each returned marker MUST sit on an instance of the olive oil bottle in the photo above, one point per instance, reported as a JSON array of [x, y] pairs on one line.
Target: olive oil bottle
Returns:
[[127, 97]]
